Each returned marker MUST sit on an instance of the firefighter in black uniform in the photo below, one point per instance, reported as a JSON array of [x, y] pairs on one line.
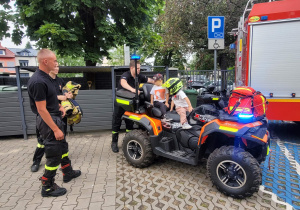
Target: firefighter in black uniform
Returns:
[[127, 82], [59, 83], [44, 103]]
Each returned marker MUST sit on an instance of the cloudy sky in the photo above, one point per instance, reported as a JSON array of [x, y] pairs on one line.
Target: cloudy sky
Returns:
[[7, 42]]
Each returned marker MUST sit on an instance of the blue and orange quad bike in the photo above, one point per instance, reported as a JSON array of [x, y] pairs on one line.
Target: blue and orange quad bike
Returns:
[[234, 146]]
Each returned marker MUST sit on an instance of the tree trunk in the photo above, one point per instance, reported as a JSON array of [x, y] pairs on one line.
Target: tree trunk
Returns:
[[168, 58], [90, 46], [90, 63], [223, 61]]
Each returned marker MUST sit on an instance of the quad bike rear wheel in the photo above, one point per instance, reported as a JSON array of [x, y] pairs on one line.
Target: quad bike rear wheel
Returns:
[[137, 149], [234, 171]]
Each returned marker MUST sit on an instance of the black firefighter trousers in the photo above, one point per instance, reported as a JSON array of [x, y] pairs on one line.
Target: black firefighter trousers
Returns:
[[40, 148], [117, 120], [56, 151]]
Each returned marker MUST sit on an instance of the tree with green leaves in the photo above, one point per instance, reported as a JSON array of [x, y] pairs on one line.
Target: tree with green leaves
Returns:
[[8, 15], [86, 28], [116, 56], [28, 45], [184, 26], [68, 60]]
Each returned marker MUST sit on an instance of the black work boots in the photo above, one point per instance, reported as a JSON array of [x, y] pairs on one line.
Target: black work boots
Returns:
[[71, 175], [114, 147], [51, 189], [35, 166], [114, 143]]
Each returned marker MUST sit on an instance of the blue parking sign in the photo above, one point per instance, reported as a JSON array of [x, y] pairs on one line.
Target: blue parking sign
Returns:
[[215, 27]]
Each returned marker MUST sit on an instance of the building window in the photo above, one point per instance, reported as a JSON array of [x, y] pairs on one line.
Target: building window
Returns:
[[24, 53], [1, 64], [23, 62], [2, 52]]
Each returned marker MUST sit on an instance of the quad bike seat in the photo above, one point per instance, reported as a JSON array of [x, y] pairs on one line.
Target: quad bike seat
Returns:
[[146, 90], [155, 112], [174, 116]]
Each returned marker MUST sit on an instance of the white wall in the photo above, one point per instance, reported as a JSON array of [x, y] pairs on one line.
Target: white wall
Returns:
[[32, 61]]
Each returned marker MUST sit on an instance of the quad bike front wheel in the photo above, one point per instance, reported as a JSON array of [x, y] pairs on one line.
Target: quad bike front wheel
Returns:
[[137, 149], [234, 171]]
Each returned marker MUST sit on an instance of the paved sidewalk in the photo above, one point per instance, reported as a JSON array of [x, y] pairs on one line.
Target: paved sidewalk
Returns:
[[169, 185], [109, 182], [94, 189]]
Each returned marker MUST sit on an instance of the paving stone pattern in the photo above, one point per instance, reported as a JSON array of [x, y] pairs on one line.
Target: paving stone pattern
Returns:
[[94, 189], [109, 182], [168, 184]]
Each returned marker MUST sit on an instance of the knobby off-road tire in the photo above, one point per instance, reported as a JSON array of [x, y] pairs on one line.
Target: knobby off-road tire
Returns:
[[137, 149], [234, 172]]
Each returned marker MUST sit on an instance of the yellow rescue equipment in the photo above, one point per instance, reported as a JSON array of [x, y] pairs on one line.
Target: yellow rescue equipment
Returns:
[[72, 87], [73, 110]]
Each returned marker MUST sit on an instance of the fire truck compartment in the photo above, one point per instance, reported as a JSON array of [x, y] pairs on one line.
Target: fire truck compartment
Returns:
[[274, 57]]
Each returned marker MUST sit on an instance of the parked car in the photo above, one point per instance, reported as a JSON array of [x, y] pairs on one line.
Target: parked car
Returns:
[[11, 88], [196, 81], [218, 85]]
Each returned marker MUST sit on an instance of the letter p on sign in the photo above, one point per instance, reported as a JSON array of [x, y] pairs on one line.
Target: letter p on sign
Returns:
[[216, 23]]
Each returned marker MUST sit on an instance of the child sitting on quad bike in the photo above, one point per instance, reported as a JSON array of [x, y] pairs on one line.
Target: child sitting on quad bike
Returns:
[[160, 96], [180, 100]]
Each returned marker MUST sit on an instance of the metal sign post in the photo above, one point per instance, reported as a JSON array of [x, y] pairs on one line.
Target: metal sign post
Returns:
[[137, 101], [215, 26], [215, 67]]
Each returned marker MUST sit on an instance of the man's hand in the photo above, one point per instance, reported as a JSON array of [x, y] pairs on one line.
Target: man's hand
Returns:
[[63, 111], [69, 94], [190, 109], [167, 104], [133, 91], [126, 86], [59, 135]]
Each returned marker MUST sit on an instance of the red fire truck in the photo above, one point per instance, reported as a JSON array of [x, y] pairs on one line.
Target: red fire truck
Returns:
[[268, 55]]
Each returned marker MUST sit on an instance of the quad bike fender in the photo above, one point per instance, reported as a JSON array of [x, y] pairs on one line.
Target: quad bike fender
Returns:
[[231, 129], [266, 147], [152, 125], [261, 137]]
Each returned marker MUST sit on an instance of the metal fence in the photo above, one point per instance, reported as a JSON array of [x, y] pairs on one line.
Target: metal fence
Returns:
[[16, 117], [12, 104], [198, 78]]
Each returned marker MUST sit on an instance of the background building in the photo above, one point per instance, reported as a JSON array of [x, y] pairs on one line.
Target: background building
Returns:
[[25, 57], [7, 59], [11, 57]]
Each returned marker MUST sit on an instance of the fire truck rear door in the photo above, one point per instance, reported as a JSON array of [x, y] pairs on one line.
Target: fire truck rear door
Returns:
[[274, 57]]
